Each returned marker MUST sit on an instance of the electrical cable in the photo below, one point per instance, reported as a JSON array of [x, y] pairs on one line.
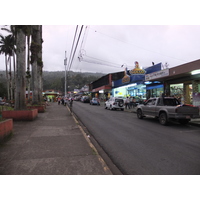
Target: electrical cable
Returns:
[[138, 46], [83, 43], [72, 47], [103, 60], [99, 63], [76, 47]]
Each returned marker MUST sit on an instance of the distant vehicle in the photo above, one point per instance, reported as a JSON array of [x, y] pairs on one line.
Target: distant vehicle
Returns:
[[85, 99], [77, 98], [95, 101], [115, 103], [167, 108]]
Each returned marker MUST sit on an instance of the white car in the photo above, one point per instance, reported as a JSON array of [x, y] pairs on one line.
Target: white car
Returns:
[[115, 103]]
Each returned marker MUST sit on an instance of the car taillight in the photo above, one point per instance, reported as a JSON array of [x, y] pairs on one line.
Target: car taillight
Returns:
[[114, 103]]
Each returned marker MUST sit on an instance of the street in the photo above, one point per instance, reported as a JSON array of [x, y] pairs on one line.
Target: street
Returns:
[[142, 147]]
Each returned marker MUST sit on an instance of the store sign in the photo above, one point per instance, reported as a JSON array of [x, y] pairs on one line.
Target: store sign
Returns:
[[126, 78], [137, 70], [158, 74]]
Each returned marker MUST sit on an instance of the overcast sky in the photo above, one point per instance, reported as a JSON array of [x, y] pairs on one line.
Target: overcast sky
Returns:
[[105, 41], [114, 45]]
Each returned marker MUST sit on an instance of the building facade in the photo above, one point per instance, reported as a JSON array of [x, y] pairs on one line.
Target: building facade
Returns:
[[133, 83], [182, 81]]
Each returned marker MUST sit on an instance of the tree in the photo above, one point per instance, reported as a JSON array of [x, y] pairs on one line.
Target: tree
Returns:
[[37, 64], [7, 47], [20, 96], [28, 33], [40, 66]]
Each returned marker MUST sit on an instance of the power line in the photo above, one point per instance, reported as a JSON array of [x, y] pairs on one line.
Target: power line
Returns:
[[138, 46], [72, 47], [100, 63], [76, 47], [104, 61], [84, 38]]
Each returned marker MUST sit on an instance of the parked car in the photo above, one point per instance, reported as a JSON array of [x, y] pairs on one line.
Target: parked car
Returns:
[[95, 101], [85, 99], [115, 103], [167, 108], [77, 98]]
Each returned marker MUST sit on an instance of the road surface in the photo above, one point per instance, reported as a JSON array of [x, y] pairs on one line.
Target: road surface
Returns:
[[142, 147]]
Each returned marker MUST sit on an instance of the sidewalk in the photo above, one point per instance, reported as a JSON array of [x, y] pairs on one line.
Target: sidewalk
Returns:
[[195, 122], [53, 144]]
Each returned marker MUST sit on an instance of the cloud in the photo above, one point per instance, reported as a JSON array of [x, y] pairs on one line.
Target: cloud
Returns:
[[119, 44]]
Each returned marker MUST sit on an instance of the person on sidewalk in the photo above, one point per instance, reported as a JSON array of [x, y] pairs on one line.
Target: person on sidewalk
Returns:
[[59, 99], [127, 103]]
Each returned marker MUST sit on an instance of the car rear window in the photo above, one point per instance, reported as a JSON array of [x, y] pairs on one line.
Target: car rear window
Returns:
[[119, 100], [171, 102]]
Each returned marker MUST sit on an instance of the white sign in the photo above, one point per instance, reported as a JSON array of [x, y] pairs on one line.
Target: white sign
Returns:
[[158, 74]]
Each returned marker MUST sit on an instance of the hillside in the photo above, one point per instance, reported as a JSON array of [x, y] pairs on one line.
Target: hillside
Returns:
[[56, 80]]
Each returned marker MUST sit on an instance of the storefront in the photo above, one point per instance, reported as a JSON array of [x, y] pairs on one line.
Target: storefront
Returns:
[[182, 82], [138, 90], [133, 83], [102, 88], [154, 89], [51, 95]]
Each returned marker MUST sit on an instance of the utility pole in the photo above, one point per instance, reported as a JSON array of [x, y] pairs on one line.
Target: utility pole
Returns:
[[65, 63]]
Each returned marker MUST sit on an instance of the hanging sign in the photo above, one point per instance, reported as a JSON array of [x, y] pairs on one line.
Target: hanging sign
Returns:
[[126, 78]]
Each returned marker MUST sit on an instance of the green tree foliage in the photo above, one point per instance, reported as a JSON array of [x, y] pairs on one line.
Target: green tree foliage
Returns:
[[75, 80]]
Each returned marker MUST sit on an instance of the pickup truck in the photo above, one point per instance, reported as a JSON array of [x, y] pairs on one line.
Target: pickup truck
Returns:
[[167, 108]]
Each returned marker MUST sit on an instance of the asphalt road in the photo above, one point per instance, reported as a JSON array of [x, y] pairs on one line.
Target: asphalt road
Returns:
[[142, 147]]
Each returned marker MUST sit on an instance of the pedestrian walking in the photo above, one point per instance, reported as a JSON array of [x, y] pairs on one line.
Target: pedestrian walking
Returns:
[[127, 103], [70, 104], [59, 99]]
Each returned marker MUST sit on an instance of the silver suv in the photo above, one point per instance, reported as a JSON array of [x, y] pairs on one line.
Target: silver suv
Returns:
[[115, 103]]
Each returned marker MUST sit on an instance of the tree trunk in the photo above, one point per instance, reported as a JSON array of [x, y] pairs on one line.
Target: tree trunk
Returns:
[[40, 66], [28, 76], [14, 67], [11, 84], [20, 95], [7, 78], [35, 47]]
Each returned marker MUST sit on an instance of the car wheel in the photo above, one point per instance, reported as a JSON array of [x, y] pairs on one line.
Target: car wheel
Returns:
[[105, 106], [163, 119], [122, 109], [120, 104], [139, 114]]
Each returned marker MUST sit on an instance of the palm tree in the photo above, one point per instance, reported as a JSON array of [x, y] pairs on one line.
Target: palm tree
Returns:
[[27, 30], [7, 47], [40, 66], [28, 33], [20, 95], [37, 64]]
